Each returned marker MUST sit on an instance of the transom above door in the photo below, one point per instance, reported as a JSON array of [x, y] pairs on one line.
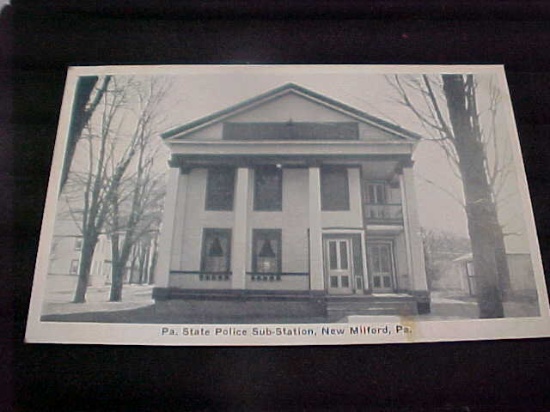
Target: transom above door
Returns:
[[339, 265]]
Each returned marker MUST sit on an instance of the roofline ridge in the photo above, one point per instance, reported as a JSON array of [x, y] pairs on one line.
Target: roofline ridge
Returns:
[[282, 88]]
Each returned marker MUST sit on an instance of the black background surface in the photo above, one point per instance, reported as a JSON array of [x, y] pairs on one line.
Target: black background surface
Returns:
[[49, 36]]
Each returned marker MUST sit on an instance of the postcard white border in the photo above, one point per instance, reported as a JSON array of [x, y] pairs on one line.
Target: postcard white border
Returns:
[[154, 334]]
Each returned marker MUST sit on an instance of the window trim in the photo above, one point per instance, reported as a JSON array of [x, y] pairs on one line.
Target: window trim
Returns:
[[345, 172], [207, 201], [206, 232], [260, 233], [278, 207]]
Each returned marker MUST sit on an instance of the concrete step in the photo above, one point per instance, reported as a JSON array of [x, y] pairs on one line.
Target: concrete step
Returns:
[[367, 304], [340, 307]]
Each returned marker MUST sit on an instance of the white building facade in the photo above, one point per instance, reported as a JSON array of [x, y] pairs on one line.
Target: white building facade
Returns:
[[292, 197]]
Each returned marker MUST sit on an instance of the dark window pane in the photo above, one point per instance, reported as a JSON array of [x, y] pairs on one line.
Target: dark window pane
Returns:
[[387, 282], [332, 255], [334, 188], [359, 282], [376, 193], [345, 281], [372, 196], [381, 194], [343, 255], [376, 281], [385, 258], [220, 188], [268, 193], [334, 281]]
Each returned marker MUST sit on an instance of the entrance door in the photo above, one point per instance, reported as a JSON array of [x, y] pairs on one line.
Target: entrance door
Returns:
[[379, 258], [339, 266]]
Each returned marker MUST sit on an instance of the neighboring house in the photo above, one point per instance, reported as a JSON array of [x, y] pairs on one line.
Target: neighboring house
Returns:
[[522, 277], [65, 259], [291, 204]]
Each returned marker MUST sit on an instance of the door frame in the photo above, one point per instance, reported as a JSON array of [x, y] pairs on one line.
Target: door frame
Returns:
[[346, 233], [394, 286]]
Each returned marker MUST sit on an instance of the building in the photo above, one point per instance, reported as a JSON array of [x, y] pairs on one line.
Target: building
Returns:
[[291, 204], [522, 277], [65, 261], [64, 258]]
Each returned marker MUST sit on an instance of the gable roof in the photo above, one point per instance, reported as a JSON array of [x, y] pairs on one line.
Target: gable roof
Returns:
[[291, 87]]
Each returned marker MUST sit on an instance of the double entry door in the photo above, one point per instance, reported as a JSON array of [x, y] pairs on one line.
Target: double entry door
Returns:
[[341, 275]]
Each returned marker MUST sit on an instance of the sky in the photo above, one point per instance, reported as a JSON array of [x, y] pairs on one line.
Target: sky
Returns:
[[198, 95], [204, 90]]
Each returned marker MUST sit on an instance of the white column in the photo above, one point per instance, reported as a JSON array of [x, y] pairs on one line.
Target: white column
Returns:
[[315, 232], [415, 258], [240, 230], [162, 272], [179, 222], [355, 200]]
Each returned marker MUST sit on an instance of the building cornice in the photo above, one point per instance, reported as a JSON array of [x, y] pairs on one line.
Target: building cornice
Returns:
[[294, 148]]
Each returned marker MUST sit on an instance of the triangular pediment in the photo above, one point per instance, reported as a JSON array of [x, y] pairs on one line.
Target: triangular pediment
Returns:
[[290, 112]]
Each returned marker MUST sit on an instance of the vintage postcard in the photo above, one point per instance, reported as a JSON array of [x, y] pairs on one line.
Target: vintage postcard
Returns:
[[287, 205]]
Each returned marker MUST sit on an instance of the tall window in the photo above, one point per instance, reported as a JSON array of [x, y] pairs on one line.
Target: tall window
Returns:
[[74, 267], [266, 257], [268, 188], [376, 193], [216, 250], [334, 188], [220, 188], [78, 244]]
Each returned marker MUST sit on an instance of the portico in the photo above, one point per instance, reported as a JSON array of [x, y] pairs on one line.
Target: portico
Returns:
[[287, 217]]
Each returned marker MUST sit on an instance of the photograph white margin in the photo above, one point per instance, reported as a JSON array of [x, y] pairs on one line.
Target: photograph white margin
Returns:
[[152, 334]]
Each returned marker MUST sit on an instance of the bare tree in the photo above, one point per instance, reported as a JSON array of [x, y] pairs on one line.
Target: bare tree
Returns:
[[135, 204], [87, 98], [447, 108], [106, 148], [133, 219]]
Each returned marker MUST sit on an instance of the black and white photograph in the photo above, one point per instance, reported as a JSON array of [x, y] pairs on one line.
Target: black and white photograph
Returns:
[[287, 205]]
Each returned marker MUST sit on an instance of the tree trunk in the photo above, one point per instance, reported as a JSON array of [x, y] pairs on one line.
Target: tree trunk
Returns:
[[116, 285], [153, 265], [80, 117], [86, 257], [117, 269], [142, 259], [132, 279], [502, 260], [482, 219]]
